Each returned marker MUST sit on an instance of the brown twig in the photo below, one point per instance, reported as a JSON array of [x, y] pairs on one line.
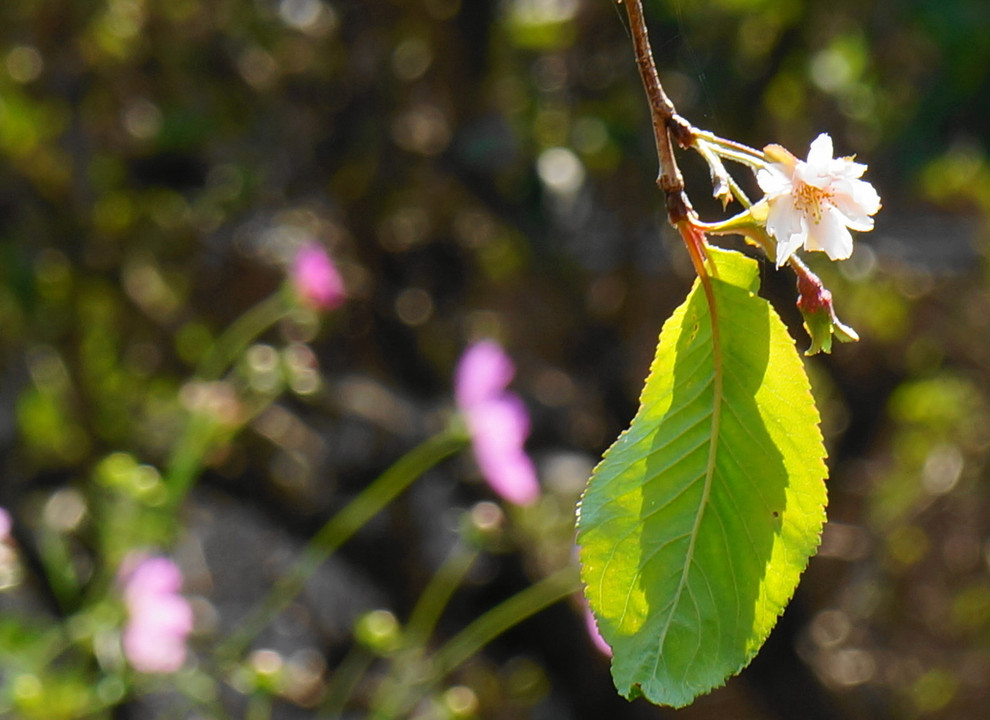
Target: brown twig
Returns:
[[666, 122]]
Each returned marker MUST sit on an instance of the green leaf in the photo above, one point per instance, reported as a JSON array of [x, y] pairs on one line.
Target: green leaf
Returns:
[[698, 522]]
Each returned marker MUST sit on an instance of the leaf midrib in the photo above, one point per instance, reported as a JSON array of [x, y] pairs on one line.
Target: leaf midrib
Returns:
[[717, 398]]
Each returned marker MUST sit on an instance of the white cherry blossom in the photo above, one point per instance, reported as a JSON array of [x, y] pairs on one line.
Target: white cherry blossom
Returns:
[[815, 202]]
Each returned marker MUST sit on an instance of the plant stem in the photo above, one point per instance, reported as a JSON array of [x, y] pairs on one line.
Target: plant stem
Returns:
[[436, 595], [483, 630], [508, 614], [186, 460], [730, 148], [259, 706], [368, 503], [345, 678], [393, 690], [240, 334]]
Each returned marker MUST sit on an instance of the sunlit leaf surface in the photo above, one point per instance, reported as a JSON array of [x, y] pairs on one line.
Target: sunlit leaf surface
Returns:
[[698, 522]]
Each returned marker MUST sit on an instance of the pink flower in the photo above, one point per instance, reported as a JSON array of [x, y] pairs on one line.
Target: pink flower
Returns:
[[10, 569], [316, 279], [596, 637], [159, 618], [497, 421]]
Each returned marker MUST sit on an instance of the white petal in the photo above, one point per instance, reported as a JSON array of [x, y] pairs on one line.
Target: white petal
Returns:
[[787, 225], [853, 215], [865, 196], [815, 175], [856, 200], [820, 154], [784, 219], [773, 182], [846, 168], [785, 248], [859, 225], [842, 245], [830, 235]]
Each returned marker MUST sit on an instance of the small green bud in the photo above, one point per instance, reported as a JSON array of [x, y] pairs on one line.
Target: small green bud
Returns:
[[379, 631]]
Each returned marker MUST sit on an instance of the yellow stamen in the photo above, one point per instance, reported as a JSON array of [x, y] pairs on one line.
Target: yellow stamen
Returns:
[[809, 200]]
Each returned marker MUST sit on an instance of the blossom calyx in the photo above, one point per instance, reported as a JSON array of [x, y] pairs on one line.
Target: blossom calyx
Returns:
[[815, 303]]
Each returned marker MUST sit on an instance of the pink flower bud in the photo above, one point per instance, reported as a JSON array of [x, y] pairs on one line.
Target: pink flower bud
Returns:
[[497, 421], [815, 303], [596, 637], [159, 618], [316, 279]]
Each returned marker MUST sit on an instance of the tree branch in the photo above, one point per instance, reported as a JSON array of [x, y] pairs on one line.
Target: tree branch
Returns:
[[667, 123]]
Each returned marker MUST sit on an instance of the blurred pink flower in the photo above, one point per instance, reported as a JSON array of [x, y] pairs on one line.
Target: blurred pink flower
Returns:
[[497, 421], [316, 279], [10, 569], [596, 637], [159, 618]]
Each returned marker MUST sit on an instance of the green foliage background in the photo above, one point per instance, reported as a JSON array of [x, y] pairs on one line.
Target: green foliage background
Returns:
[[483, 167]]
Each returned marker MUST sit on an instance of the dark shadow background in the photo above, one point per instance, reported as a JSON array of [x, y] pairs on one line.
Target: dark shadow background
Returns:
[[487, 168]]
